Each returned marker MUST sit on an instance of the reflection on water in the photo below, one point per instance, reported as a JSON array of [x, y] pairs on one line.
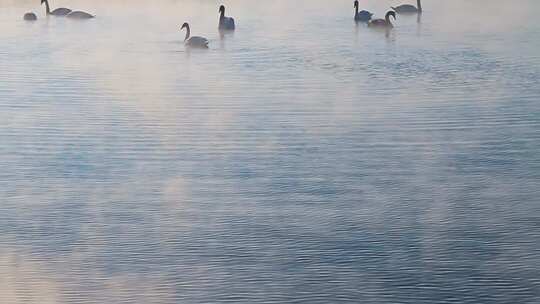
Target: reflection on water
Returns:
[[300, 160]]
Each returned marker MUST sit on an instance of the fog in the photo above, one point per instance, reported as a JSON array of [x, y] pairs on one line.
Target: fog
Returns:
[[303, 158]]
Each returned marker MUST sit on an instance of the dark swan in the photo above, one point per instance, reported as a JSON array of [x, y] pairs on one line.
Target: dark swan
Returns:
[[196, 41], [61, 11], [383, 23], [30, 17], [408, 9], [225, 23], [362, 16]]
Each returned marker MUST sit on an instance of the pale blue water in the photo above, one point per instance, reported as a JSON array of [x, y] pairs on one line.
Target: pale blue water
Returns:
[[300, 160]]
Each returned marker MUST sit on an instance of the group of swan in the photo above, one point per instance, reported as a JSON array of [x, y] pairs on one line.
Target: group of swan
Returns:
[[225, 24], [59, 12], [365, 16]]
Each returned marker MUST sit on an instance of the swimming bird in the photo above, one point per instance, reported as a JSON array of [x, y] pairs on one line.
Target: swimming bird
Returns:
[[30, 17], [383, 22], [225, 23], [195, 41], [79, 15], [61, 11], [362, 16], [408, 8]]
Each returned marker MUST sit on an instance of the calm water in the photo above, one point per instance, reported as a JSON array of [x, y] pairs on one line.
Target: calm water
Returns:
[[301, 160]]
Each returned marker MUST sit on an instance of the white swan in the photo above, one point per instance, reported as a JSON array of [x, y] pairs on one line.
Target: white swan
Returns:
[[362, 16], [61, 11], [383, 23], [30, 17], [79, 15], [408, 9], [225, 23], [195, 41]]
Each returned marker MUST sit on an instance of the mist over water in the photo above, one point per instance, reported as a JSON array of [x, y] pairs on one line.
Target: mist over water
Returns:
[[302, 159]]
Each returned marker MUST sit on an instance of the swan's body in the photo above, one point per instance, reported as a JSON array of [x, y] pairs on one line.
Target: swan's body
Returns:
[[61, 11], [362, 16], [408, 8], [79, 15], [30, 17], [383, 23], [225, 23], [195, 41]]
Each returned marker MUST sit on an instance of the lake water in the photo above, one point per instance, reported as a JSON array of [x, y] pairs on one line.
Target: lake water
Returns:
[[301, 160]]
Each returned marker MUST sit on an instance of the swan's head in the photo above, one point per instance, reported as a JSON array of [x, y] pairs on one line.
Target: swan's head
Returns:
[[185, 25], [355, 3], [391, 13], [43, 1], [222, 9]]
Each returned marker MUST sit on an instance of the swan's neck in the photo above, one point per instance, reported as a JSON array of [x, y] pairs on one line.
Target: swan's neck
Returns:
[[222, 14], [356, 10], [388, 22], [47, 8], [188, 33], [419, 5]]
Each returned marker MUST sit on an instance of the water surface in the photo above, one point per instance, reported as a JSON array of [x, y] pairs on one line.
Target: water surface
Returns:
[[302, 159]]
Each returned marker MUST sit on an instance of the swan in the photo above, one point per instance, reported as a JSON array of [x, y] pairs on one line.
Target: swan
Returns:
[[383, 22], [79, 15], [362, 16], [225, 23], [195, 41], [408, 9], [61, 11], [30, 17]]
